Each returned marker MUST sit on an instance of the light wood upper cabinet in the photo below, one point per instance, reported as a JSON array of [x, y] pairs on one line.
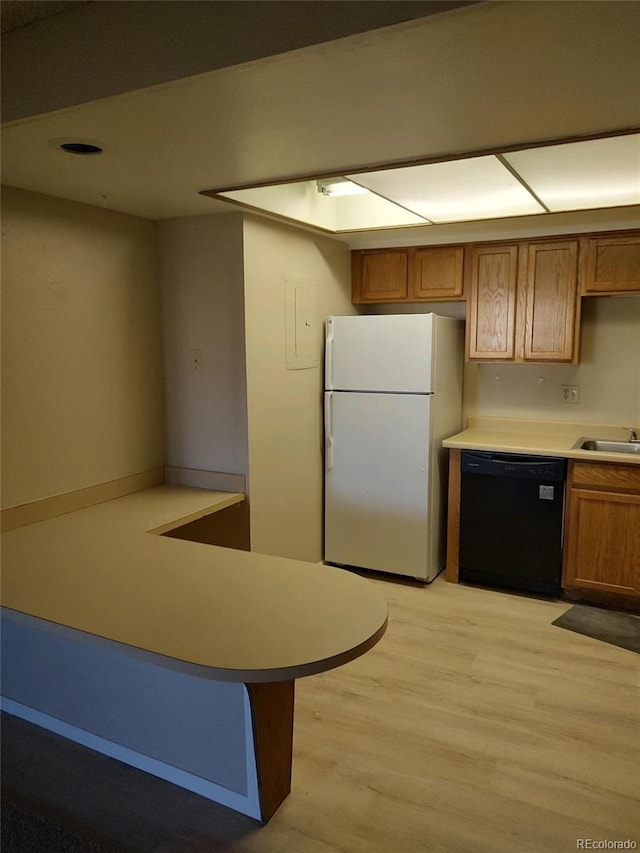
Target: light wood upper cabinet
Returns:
[[523, 301], [407, 275], [380, 276], [602, 534], [613, 264], [437, 272], [492, 276], [551, 301], [523, 296]]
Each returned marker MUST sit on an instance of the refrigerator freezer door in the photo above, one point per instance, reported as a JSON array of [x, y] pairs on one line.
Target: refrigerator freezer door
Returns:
[[390, 352], [376, 485]]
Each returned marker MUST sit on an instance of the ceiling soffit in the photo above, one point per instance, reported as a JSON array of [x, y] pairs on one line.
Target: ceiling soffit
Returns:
[[475, 79]]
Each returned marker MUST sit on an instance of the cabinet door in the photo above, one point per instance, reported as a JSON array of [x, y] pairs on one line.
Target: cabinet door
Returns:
[[613, 265], [437, 272], [380, 276], [551, 301], [492, 274], [603, 542]]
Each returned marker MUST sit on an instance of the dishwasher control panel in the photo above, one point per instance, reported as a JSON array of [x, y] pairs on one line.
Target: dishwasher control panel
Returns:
[[551, 468]]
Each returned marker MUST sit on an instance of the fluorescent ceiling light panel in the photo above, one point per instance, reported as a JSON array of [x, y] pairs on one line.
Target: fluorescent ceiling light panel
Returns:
[[335, 187], [582, 175], [301, 201], [459, 190], [592, 174]]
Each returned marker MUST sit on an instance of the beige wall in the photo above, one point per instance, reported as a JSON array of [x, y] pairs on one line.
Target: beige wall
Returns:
[[285, 406], [82, 399], [82, 395], [608, 374], [203, 308]]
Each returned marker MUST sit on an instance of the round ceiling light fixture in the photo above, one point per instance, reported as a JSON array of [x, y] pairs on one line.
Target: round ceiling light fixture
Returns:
[[83, 147]]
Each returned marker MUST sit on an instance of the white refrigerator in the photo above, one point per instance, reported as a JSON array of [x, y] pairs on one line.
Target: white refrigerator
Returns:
[[393, 392]]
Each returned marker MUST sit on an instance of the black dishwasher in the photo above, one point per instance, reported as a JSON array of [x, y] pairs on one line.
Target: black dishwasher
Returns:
[[511, 511]]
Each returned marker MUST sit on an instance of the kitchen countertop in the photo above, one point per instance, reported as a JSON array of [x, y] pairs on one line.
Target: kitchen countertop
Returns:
[[539, 438], [225, 614]]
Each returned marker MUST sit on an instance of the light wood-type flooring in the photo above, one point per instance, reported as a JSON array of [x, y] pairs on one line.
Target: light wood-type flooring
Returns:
[[474, 726]]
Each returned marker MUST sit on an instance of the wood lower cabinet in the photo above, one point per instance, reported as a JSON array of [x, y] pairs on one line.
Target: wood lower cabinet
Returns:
[[602, 534], [407, 275], [523, 301], [613, 264]]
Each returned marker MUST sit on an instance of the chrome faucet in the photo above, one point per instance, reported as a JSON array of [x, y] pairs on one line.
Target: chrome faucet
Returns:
[[633, 437]]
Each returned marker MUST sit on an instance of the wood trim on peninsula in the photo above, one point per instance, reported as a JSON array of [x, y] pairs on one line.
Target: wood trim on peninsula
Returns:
[[272, 724], [453, 522]]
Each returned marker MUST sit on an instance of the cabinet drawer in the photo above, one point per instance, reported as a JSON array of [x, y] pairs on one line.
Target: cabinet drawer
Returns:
[[594, 475]]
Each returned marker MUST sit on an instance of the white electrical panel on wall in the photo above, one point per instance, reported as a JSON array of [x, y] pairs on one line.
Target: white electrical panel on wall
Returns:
[[302, 324]]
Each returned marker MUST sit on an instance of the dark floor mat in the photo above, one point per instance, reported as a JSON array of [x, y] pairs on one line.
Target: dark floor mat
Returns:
[[619, 629]]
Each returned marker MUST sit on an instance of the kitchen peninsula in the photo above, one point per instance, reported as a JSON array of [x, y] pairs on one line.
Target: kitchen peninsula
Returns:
[[174, 656]]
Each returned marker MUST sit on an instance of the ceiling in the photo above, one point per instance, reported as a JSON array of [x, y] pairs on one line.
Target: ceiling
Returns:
[[20, 13], [480, 78]]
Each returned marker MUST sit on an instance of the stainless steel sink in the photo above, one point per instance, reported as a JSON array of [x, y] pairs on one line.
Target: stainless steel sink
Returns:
[[605, 446]]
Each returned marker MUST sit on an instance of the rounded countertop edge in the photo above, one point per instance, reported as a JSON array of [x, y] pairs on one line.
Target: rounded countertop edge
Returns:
[[263, 675], [260, 676]]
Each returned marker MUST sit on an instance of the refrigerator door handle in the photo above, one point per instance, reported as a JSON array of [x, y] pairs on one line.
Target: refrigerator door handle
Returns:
[[328, 360], [328, 428]]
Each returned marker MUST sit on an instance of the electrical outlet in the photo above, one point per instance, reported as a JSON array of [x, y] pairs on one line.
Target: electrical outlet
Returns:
[[196, 359], [570, 393]]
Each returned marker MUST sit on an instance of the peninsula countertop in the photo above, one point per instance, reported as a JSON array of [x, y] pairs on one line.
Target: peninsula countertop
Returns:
[[539, 438], [230, 615]]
